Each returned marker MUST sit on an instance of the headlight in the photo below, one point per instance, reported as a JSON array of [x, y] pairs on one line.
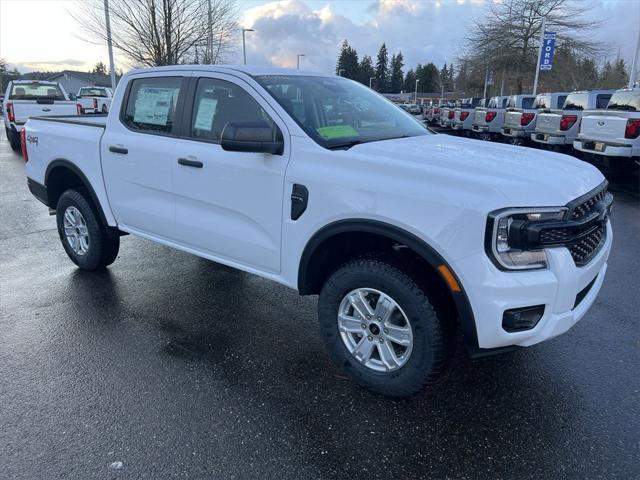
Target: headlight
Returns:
[[504, 237]]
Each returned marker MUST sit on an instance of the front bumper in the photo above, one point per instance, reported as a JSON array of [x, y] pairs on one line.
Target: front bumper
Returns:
[[606, 149], [492, 291], [549, 138]]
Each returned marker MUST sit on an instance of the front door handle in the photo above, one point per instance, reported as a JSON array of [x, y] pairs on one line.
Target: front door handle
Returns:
[[190, 163], [120, 150]]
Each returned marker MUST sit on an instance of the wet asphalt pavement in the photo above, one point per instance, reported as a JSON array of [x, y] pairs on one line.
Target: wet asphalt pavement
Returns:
[[169, 366]]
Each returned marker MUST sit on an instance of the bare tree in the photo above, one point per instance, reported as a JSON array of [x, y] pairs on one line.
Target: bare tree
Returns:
[[509, 32], [163, 32]]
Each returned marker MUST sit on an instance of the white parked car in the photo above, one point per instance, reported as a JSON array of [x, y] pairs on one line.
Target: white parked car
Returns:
[[26, 98], [403, 233], [95, 99], [464, 114], [559, 127], [488, 121], [613, 133]]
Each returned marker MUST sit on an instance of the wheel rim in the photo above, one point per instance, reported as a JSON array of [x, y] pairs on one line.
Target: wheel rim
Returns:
[[76, 231], [375, 330]]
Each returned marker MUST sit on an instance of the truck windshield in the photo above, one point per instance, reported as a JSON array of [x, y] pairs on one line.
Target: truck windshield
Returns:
[[629, 100], [340, 113], [92, 92], [575, 101], [36, 91]]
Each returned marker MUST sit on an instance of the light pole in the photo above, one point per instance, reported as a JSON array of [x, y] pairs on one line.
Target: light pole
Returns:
[[415, 97], [340, 72], [370, 80], [298, 60], [109, 45], [634, 64], [244, 48]]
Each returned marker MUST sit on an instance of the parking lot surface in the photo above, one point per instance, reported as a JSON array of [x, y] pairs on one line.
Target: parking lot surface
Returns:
[[170, 366]]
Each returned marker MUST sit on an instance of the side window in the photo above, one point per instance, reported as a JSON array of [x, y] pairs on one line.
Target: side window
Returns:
[[527, 102], [218, 102], [602, 100], [151, 104], [560, 101]]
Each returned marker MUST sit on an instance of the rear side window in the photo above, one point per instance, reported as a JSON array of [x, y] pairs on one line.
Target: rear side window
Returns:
[[602, 100], [576, 101], [151, 104], [560, 101], [527, 102], [625, 100], [542, 101], [36, 91], [217, 103]]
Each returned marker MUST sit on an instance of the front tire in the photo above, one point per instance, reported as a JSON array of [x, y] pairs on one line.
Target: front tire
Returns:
[[381, 329], [89, 243]]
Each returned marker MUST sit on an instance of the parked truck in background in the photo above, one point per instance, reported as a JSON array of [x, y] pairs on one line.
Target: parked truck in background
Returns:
[[613, 134], [519, 118], [28, 98], [465, 114], [406, 235], [488, 120], [558, 128], [95, 99]]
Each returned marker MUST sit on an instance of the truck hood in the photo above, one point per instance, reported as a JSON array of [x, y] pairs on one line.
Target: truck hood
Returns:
[[524, 176]]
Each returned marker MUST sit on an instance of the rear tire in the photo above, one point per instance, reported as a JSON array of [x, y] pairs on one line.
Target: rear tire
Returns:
[[89, 243], [422, 357], [14, 139]]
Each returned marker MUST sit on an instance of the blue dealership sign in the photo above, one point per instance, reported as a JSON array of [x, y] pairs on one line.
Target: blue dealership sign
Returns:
[[548, 48]]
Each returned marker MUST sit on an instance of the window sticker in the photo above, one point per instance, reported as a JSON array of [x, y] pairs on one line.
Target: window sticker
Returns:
[[337, 131], [206, 111], [153, 105]]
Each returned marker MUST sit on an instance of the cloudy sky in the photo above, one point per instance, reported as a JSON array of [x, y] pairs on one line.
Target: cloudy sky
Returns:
[[40, 34]]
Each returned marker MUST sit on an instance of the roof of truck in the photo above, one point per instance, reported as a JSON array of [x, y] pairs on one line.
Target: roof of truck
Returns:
[[252, 70]]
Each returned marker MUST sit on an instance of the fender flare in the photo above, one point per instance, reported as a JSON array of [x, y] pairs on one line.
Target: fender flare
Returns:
[[86, 183], [422, 248]]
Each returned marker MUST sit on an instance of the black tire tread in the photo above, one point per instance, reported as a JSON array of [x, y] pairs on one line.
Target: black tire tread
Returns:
[[387, 268]]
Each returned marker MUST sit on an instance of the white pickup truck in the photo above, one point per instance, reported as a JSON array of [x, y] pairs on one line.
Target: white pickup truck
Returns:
[[613, 133], [464, 115], [27, 98], [488, 121], [406, 235], [95, 99], [558, 128], [518, 118]]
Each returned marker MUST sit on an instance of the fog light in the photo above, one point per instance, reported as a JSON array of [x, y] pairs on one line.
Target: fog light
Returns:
[[520, 319]]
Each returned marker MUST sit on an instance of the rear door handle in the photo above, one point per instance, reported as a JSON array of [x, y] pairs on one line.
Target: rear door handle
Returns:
[[120, 150], [190, 163]]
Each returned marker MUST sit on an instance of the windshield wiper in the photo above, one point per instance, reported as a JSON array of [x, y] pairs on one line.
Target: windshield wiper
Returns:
[[350, 143]]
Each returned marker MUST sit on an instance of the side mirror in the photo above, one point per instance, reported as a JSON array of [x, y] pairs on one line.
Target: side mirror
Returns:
[[255, 137], [73, 97]]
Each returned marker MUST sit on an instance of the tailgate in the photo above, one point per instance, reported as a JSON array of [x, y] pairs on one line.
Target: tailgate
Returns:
[[512, 118], [604, 127], [25, 109], [548, 122]]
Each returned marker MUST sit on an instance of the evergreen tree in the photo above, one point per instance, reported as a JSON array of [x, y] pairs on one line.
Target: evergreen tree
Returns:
[[428, 77], [347, 65], [382, 70], [410, 80], [614, 75], [446, 78], [100, 68], [366, 71], [396, 82]]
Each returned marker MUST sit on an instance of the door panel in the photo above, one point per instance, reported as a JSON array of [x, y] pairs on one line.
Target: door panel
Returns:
[[231, 206], [138, 155]]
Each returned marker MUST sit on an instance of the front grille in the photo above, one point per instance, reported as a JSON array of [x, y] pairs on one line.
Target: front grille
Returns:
[[587, 247], [585, 207]]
